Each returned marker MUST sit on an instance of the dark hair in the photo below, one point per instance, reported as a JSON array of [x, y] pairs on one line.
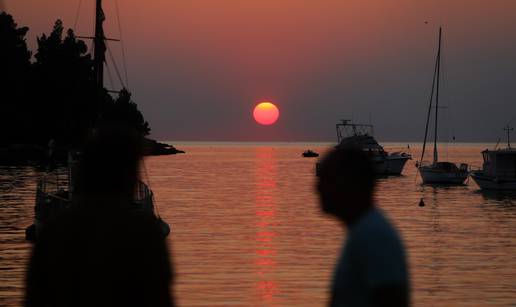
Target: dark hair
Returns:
[[350, 169], [109, 164]]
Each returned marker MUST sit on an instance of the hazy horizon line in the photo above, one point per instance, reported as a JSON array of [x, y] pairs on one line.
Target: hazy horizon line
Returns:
[[172, 142]]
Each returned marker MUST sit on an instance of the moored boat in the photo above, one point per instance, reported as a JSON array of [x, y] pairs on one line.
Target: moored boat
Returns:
[[361, 136], [310, 154], [439, 172], [499, 168]]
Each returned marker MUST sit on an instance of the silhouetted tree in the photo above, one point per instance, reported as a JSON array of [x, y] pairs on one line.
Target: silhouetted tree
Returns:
[[64, 93], [54, 97], [14, 68], [125, 110]]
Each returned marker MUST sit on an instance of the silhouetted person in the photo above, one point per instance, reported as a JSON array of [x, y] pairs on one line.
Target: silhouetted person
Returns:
[[372, 269], [102, 251]]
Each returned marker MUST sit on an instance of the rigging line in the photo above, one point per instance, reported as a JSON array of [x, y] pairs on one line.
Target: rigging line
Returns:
[[92, 43], [77, 15], [115, 66], [448, 108], [121, 42]]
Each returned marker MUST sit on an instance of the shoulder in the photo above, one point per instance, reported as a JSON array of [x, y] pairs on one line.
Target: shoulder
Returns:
[[374, 226], [374, 240], [379, 248]]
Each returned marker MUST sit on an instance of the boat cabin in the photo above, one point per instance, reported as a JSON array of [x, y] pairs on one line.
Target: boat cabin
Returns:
[[500, 163]]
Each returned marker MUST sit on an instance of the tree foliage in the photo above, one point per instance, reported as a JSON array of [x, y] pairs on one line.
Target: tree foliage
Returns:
[[53, 97], [14, 69]]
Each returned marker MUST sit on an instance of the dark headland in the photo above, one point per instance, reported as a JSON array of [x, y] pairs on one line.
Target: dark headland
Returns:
[[50, 99]]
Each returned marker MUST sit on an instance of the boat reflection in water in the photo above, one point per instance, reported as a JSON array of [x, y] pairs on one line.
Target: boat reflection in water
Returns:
[[266, 222]]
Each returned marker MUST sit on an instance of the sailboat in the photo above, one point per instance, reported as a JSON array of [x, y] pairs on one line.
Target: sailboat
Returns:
[[55, 191], [439, 172]]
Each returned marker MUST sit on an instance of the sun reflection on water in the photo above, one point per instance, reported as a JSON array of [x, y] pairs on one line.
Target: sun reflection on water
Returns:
[[266, 221]]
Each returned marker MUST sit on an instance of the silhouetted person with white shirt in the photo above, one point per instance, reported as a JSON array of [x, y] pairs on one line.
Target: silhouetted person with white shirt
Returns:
[[372, 269]]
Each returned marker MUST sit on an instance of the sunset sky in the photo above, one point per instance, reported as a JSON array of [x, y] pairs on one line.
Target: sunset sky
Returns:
[[197, 68]]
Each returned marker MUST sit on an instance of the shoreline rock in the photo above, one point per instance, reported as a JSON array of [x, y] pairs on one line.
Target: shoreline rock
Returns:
[[155, 148]]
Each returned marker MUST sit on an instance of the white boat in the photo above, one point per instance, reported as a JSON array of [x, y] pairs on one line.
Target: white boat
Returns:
[[444, 173], [439, 172], [499, 168], [361, 136]]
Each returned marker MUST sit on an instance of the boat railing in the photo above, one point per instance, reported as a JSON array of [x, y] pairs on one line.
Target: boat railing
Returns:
[[53, 189], [144, 196], [51, 195], [53, 183]]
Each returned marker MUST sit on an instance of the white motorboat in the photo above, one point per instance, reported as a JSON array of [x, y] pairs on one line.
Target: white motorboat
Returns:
[[439, 172], [361, 136], [499, 168]]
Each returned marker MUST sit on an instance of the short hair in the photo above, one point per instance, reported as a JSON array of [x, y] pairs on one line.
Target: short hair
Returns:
[[349, 168]]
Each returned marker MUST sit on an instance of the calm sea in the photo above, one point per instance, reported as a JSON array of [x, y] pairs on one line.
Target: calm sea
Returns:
[[247, 229]]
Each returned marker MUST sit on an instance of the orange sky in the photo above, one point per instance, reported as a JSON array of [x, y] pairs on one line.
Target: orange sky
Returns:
[[211, 60]]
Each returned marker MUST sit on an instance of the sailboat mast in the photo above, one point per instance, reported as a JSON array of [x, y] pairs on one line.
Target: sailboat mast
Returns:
[[436, 156], [99, 52], [429, 107]]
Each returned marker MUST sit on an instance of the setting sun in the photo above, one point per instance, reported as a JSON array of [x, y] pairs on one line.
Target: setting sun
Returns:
[[266, 113]]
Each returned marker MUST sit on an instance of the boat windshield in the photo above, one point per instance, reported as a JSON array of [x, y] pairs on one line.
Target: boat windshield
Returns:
[[346, 129]]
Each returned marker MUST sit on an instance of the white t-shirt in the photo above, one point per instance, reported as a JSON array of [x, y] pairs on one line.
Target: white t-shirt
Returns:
[[373, 257]]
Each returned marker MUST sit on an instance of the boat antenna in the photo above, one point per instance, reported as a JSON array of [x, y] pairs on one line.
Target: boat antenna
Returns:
[[508, 129], [437, 96]]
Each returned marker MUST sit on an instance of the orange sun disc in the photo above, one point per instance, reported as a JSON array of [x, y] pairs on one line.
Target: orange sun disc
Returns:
[[266, 113]]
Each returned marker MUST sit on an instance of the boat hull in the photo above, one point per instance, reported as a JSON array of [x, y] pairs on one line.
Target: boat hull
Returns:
[[431, 176], [492, 183], [390, 165]]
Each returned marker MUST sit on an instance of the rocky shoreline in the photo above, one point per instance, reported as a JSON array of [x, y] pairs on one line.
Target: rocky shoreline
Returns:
[[25, 153]]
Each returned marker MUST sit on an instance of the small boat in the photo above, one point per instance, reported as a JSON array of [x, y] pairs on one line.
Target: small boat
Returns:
[[310, 154], [499, 168], [439, 172], [361, 136]]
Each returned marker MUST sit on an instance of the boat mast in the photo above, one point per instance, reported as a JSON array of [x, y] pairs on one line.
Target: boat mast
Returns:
[[508, 129], [99, 56], [437, 96], [436, 67]]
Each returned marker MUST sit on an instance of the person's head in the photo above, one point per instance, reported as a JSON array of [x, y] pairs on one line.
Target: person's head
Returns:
[[109, 164], [346, 183]]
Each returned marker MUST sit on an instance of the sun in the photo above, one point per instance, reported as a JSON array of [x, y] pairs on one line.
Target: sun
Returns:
[[266, 113]]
